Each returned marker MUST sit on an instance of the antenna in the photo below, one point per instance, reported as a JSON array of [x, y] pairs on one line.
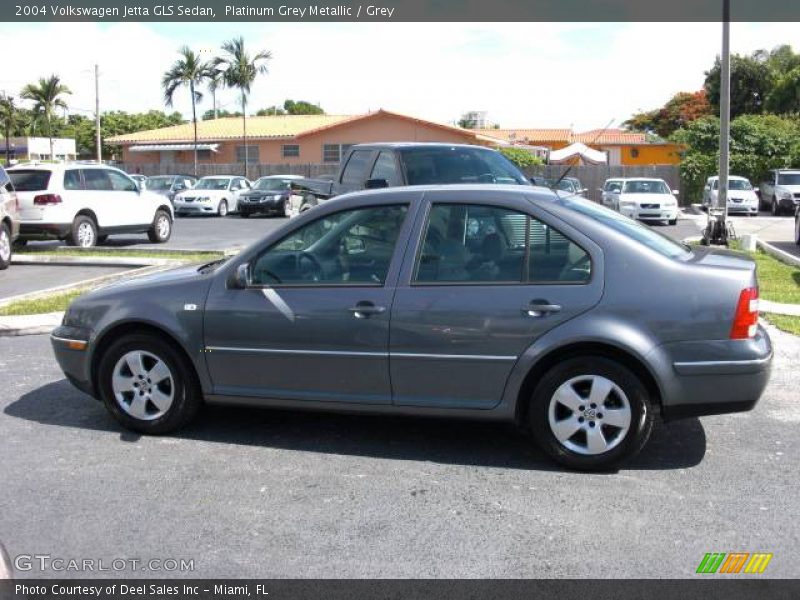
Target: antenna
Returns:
[[569, 168]]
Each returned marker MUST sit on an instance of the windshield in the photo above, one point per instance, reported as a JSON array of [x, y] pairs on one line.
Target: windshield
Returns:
[[159, 183], [212, 184], [458, 164], [649, 186], [739, 184], [32, 180], [788, 178], [629, 228], [272, 184]]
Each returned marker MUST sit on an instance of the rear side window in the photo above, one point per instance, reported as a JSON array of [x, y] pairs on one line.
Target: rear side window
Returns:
[[356, 170], [96, 179], [386, 169], [31, 180], [72, 180]]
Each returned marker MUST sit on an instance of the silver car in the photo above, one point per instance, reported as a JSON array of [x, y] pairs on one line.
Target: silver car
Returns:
[[489, 302]]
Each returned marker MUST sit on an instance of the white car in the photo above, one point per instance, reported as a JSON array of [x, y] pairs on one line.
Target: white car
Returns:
[[642, 198], [781, 191], [84, 203], [212, 195], [742, 198]]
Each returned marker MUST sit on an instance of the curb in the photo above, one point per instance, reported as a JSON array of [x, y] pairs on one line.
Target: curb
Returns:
[[777, 253], [18, 325]]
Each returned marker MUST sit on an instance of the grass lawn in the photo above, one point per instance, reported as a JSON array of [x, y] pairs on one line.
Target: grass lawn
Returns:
[[784, 322], [777, 281], [55, 303], [95, 252]]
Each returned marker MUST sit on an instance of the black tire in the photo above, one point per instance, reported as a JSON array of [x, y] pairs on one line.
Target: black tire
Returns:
[[673, 221], [222, 208], [20, 243], [776, 209], [161, 229], [623, 447], [797, 229], [5, 246], [102, 239], [83, 232], [187, 397], [244, 215]]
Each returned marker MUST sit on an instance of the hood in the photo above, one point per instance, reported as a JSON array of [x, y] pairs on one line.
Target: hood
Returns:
[[648, 198], [169, 276]]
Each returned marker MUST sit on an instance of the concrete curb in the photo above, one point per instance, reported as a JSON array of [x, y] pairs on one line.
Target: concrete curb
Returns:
[[29, 324]]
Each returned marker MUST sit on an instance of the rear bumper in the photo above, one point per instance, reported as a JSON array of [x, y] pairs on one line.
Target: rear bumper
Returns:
[[34, 229], [731, 382]]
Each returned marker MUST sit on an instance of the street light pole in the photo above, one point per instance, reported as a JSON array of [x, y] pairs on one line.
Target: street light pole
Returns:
[[97, 140]]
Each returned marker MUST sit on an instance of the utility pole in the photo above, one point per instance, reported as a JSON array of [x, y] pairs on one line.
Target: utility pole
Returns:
[[97, 138], [717, 229]]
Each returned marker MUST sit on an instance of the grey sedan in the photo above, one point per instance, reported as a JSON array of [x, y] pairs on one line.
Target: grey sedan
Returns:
[[487, 302]]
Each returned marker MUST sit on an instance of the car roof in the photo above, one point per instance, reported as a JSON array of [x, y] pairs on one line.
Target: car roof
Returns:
[[63, 166], [715, 177], [221, 176], [281, 177], [405, 145]]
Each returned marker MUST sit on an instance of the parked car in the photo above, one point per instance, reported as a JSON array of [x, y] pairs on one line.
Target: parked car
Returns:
[[9, 218], [169, 185], [215, 194], [742, 198], [781, 191], [269, 195], [371, 166], [642, 198], [85, 203], [491, 302], [570, 185], [141, 180]]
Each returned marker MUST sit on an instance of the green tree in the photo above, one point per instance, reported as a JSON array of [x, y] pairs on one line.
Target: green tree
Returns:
[[521, 157], [784, 98], [188, 71], [47, 97], [11, 118], [214, 82], [751, 81], [270, 111], [301, 107], [239, 71], [220, 114]]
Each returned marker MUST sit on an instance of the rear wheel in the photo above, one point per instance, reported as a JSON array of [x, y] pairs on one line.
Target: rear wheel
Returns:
[[591, 413], [673, 221], [222, 208], [83, 232], [148, 385], [161, 229], [776, 210], [797, 229], [5, 246]]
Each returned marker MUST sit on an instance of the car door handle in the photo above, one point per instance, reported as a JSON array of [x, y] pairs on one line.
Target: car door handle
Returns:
[[540, 308], [363, 310]]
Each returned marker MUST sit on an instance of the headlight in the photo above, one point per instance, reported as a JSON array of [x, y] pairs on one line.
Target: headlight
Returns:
[[786, 196], [203, 198]]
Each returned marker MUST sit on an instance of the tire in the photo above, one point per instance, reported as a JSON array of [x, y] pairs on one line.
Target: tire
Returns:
[[285, 209], [574, 379], [102, 239], [776, 210], [797, 229], [5, 246], [673, 221], [20, 243], [222, 208], [83, 232], [135, 408], [161, 229]]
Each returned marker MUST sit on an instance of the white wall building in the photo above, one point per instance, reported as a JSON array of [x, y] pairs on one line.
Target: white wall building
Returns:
[[38, 148]]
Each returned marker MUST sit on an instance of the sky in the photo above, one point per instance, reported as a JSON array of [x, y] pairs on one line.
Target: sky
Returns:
[[579, 75]]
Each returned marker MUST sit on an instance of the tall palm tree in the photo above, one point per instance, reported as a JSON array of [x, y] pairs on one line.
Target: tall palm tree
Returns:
[[10, 120], [239, 70], [189, 70], [215, 81], [46, 96]]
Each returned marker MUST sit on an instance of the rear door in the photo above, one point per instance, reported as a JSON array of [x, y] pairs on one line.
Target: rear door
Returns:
[[489, 276]]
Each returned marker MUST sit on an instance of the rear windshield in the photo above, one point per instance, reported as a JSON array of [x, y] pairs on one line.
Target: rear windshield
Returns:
[[32, 180], [627, 227], [458, 164]]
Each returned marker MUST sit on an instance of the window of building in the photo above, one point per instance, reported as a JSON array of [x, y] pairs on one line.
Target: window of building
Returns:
[[331, 153], [634, 153], [252, 154], [205, 154], [290, 150]]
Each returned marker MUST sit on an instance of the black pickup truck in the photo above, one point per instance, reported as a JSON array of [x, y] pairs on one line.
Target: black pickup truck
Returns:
[[369, 166]]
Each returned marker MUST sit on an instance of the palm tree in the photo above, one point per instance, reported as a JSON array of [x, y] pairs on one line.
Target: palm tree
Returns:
[[190, 71], [215, 80], [46, 96], [10, 120], [239, 70]]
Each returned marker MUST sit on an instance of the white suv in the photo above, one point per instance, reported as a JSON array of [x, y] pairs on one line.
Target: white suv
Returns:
[[85, 203]]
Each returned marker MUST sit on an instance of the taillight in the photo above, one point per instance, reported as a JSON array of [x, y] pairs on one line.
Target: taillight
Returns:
[[745, 321], [43, 199]]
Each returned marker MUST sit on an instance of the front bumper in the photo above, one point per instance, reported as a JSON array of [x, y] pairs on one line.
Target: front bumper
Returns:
[[735, 208], [712, 378], [261, 206], [656, 214], [186, 208], [71, 349]]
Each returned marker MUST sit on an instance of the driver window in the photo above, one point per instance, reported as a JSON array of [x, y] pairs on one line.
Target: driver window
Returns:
[[352, 247], [120, 183]]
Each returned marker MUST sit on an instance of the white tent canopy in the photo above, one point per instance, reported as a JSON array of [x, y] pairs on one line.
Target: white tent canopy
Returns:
[[172, 147], [580, 151]]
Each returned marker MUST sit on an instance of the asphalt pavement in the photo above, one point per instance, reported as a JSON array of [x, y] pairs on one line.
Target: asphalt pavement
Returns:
[[264, 493], [22, 279]]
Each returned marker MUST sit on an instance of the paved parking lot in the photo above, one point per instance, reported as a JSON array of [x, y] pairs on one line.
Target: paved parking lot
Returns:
[[249, 493], [23, 279]]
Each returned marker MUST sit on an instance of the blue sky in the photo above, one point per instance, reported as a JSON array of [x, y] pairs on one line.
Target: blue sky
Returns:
[[521, 74]]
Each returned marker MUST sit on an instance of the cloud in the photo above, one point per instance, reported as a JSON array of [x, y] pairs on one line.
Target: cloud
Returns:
[[523, 74]]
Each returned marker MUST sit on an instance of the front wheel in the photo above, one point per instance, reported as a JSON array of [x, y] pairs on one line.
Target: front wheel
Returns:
[[673, 221], [776, 210], [5, 246], [797, 229], [148, 385], [161, 229], [591, 413], [222, 208]]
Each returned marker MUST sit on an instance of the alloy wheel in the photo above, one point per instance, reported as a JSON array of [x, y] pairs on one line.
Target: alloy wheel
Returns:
[[162, 227], [589, 414], [143, 385], [5, 245], [86, 235]]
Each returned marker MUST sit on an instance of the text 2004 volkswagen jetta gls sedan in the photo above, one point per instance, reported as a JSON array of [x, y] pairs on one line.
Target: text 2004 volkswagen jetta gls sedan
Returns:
[[490, 302]]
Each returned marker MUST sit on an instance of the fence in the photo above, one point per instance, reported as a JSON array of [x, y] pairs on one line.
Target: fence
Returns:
[[592, 176]]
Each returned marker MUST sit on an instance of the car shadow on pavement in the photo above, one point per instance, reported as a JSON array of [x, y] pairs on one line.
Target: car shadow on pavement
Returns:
[[676, 445]]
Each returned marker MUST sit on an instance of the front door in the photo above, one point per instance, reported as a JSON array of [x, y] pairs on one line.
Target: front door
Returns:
[[488, 280], [313, 323]]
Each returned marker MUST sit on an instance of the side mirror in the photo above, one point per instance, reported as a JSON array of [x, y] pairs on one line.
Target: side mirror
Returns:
[[374, 184], [240, 278]]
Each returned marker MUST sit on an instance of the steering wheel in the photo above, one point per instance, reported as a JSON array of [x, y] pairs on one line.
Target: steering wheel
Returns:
[[314, 270]]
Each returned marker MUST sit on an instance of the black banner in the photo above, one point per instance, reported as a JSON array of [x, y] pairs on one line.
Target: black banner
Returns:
[[749, 587], [397, 10]]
